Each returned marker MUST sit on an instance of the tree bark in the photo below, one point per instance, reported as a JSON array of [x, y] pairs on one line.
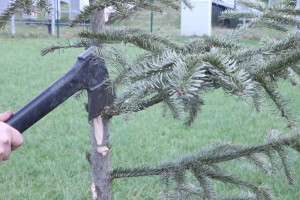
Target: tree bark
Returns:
[[100, 155], [97, 24], [100, 159]]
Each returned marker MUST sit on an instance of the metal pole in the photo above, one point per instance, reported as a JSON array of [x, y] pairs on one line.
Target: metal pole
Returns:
[[53, 18], [151, 20], [57, 17], [297, 6], [13, 27], [234, 20]]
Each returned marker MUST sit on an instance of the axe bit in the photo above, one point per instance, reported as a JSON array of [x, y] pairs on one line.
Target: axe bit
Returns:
[[85, 74]]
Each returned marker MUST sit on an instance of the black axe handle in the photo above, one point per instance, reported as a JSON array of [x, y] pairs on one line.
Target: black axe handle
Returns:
[[43, 103], [50, 98]]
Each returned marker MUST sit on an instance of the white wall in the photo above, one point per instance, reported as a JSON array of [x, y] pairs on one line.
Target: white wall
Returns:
[[198, 20]]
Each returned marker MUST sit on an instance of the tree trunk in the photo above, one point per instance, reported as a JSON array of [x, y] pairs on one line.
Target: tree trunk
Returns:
[[97, 23], [100, 159]]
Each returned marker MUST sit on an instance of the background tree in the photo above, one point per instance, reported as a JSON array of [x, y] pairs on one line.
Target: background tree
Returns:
[[177, 75]]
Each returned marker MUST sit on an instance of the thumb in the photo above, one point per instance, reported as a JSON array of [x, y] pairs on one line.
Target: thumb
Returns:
[[6, 115]]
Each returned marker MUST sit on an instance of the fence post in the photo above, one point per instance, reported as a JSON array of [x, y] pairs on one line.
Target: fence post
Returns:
[[53, 18], [13, 26]]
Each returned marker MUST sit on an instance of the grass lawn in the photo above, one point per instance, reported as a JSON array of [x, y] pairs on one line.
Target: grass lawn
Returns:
[[51, 164]]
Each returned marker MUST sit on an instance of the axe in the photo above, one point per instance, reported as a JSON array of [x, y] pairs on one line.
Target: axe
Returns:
[[85, 74]]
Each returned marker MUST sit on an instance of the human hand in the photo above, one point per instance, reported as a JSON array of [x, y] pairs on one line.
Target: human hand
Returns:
[[10, 138]]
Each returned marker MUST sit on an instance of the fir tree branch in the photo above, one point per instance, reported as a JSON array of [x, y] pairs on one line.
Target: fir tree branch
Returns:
[[269, 23], [201, 164], [122, 8], [281, 62], [67, 45], [227, 75], [296, 69], [205, 183], [8, 13], [28, 7], [113, 111], [226, 178], [261, 163], [141, 39], [212, 155], [275, 96], [87, 12], [234, 14], [258, 5], [285, 163], [281, 18]]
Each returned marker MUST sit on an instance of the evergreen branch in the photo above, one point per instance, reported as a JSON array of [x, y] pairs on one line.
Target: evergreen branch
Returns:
[[43, 5], [269, 47], [122, 8], [141, 39], [28, 7], [176, 108], [257, 98], [117, 58], [226, 178], [281, 18], [264, 193], [296, 69], [260, 163], [291, 76], [152, 70], [200, 165], [244, 197], [271, 136], [212, 155], [226, 74], [7, 14], [234, 14], [258, 5], [285, 163], [193, 105], [170, 4], [281, 62], [205, 183], [269, 23], [289, 10], [114, 110], [275, 96], [181, 90], [194, 46], [182, 192], [67, 45], [272, 159], [222, 42], [86, 13]]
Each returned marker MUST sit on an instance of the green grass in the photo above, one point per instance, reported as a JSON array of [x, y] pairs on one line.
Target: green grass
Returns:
[[51, 163]]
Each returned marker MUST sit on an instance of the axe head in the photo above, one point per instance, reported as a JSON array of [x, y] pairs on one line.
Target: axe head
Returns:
[[93, 75]]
